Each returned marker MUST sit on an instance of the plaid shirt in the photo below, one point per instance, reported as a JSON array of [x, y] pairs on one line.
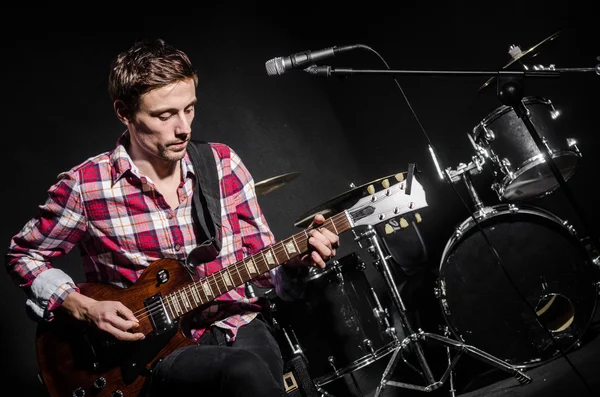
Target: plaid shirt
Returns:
[[121, 224]]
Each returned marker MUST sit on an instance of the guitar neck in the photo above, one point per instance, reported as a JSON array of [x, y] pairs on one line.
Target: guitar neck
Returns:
[[207, 289]]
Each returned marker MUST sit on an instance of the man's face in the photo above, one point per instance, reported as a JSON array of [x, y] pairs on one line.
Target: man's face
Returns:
[[162, 126]]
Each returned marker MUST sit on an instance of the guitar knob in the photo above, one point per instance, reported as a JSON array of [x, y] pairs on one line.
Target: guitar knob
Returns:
[[403, 223], [371, 189], [79, 392], [116, 393], [385, 183], [399, 177], [100, 383], [388, 229]]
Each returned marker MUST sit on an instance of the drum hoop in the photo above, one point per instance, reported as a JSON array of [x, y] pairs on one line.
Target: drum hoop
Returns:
[[532, 162], [493, 212], [503, 109], [357, 364]]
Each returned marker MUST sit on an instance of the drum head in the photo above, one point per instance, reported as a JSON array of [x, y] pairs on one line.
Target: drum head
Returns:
[[536, 179], [537, 304]]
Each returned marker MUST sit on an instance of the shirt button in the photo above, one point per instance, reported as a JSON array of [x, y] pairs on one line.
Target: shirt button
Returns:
[[169, 216], [177, 247]]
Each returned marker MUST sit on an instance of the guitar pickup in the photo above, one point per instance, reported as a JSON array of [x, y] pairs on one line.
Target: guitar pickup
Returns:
[[157, 313]]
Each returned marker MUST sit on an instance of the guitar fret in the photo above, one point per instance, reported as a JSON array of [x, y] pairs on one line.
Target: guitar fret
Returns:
[[290, 248], [198, 286], [241, 280], [177, 306], [196, 296], [185, 300], [334, 228], [169, 305], [207, 290], [251, 266], [214, 276], [269, 257], [227, 278], [261, 265]]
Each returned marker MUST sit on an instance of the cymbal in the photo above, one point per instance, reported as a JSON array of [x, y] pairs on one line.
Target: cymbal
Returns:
[[268, 185], [520, 54], [343, 201]]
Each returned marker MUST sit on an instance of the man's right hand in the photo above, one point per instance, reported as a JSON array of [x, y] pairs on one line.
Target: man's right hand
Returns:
[[109, 316]]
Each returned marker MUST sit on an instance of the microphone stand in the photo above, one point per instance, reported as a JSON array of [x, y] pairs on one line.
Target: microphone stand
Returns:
[[510, 92]]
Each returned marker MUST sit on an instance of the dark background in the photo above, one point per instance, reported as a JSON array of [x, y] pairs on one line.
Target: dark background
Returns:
[[332, 131]]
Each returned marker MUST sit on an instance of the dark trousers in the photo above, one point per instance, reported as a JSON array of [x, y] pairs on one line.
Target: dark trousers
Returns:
[[250, 366]]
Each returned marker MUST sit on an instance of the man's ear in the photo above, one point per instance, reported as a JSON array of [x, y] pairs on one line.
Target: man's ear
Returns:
[[121, 111]]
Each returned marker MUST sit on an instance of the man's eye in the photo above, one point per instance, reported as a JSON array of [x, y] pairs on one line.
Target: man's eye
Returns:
[[189, 110], [164, 117]]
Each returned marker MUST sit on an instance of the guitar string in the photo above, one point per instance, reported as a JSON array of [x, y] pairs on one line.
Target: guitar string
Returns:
[[213, 278], [278, 249]]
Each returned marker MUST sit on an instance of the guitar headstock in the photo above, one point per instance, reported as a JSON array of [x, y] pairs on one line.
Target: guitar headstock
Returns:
[[386, 200]]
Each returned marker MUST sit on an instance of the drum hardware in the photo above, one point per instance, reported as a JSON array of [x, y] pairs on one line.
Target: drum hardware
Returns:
[[463, 172], [415, 338], [383, 316], [344, 328], [510, 93], [552, 270]]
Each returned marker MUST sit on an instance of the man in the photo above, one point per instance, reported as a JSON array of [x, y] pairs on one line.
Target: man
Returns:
[[132, 206]]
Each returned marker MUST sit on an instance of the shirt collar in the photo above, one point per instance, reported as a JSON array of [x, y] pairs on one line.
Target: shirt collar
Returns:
[[121, 162]]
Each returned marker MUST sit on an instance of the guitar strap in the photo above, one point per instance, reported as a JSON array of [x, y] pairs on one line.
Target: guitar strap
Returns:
[[207, 198]]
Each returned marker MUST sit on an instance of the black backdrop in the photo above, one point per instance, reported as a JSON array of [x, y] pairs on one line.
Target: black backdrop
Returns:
[[332, 131]]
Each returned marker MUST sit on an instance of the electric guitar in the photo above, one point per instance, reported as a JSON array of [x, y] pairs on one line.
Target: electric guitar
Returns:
[[76, 359]]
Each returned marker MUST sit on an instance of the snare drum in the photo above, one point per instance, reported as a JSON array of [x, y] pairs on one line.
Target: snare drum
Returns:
[[519, 167], [340, 326]]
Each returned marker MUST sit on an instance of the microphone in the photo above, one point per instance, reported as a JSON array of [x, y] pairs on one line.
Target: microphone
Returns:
[[299, 60]]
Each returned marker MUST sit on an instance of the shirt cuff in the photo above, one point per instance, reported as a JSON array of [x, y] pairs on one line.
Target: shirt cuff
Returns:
[[48, 291]]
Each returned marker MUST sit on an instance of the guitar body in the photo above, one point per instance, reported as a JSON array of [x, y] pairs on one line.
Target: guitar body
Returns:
[[77, 360]]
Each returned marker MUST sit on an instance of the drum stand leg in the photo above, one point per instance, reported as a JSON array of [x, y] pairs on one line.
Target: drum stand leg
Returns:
[[415, 338]]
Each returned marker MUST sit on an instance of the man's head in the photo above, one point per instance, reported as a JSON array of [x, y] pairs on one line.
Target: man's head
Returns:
[[147, 65], [153, 86]]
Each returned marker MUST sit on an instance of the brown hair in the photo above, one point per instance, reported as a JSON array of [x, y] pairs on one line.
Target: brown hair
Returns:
[[147, 65]]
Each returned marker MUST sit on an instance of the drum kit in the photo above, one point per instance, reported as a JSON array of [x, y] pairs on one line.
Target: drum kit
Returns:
[[516, 284]]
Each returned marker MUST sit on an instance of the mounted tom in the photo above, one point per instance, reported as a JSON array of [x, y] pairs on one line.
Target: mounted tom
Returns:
[[519, 168]]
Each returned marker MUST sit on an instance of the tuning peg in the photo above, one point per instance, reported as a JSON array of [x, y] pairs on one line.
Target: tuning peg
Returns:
[[418, 217], [400, 177], [388, 229], [403, 223], [385, 183], [371, 189]]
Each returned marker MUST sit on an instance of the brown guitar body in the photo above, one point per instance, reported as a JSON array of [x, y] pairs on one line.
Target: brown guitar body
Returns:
[[76, 360]]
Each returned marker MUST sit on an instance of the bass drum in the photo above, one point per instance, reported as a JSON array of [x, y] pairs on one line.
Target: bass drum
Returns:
[[537, 304]]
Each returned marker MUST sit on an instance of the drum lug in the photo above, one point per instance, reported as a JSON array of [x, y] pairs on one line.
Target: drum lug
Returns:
[[570, 228], [369, 346], [331, 361], [572, 143], [505, 166], [391, 332], [488, 134]]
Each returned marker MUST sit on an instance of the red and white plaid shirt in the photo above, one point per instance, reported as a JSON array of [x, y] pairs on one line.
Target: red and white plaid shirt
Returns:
[[121, 224]]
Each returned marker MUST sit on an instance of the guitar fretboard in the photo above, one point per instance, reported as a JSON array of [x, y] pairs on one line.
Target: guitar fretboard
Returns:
[[207, 289]]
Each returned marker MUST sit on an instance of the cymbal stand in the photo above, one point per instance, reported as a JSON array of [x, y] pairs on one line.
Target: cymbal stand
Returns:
[[415, 338]]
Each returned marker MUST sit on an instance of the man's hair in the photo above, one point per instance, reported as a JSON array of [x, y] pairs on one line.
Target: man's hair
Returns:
[[147, 65]]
